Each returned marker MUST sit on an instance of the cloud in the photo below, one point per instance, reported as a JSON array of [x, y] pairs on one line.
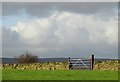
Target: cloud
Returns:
[[43, 9], [36, 31], [61, 29], [67, 25], [63, 34]]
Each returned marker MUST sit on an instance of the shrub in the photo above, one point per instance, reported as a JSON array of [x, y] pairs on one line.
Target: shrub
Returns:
[[27, 58]]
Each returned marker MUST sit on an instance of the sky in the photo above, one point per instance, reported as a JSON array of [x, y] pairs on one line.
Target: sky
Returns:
[[60, 29]]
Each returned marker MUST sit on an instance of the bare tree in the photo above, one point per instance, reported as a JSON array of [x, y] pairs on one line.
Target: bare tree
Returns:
[[27, 58]]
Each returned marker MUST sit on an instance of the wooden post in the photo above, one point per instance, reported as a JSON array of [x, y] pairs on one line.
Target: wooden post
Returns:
[[92, 61], [69, 62], [69, 59]]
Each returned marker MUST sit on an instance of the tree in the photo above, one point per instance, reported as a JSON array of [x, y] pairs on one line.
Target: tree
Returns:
[[27, 58]]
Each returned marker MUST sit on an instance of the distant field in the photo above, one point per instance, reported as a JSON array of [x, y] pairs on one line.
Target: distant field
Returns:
[[18, 74]]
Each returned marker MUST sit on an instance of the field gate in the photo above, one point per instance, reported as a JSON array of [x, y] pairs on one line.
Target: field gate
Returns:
[[81, 64]]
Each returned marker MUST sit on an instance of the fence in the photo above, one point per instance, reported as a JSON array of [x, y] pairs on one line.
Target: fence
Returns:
[[82, 64]]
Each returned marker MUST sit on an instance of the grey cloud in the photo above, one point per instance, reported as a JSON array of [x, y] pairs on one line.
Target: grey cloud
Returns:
[[0, 10], [10, 38], [11, 45], [42, 9], [0, 41]]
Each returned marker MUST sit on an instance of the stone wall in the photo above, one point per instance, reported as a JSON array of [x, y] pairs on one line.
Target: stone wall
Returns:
[[106, 65], [99, 65], [38, 66]]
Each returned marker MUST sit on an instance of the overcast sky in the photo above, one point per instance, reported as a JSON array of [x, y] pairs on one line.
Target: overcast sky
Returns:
[[64, 29]]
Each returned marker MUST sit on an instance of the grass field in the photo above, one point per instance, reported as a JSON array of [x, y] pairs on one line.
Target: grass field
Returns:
[[15, 74], [0, 74]]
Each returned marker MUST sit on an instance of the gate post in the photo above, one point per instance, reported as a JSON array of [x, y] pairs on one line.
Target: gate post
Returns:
[[92, 61], [69, 62]]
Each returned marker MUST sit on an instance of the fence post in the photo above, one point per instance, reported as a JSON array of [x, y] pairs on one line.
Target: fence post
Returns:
[[69, 62], [92, 61]]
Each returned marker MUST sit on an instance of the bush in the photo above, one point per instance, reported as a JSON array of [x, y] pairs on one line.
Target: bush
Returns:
[[27, 58]]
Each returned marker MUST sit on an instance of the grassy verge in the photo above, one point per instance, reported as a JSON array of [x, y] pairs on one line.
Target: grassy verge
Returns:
[[17, 74]]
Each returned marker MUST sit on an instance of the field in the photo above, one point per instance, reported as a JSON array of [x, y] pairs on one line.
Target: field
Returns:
[[19, 74], [0, 74], [103, 70]]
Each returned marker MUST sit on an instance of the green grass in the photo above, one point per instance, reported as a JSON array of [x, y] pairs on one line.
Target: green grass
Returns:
[[15, 74], [0, 74]]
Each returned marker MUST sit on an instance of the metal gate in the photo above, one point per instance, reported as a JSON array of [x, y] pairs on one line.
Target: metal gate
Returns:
[[81, 64]]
